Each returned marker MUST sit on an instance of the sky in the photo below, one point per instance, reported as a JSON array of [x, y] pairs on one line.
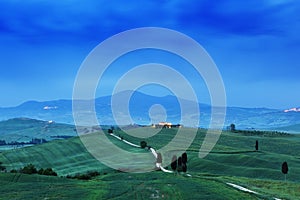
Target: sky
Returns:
[[255, 45]]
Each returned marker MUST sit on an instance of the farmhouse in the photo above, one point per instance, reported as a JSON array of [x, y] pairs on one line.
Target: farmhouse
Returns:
[[166, 125]]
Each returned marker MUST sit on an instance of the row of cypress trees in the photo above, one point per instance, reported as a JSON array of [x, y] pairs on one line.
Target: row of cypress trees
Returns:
[[180, 163]]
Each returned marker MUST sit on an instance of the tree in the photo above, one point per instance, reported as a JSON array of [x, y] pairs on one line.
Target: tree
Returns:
[[143, 144], [2, 142], [93, 173], [40, 171], [232, 128], [284, 169], [49, 172], [2, 168], [184, 162], [184, 167], [159, 158], [179, 166], [256, 145], [29, 169], [184, 158], [110, 131], [174, 163]]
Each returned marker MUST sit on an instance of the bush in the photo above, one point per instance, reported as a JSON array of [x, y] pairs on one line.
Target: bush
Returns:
[[93, 173], [49, 172], [69, 176], [28, 169], [83, 177], [89, 175], [40, 171], [13, 171]]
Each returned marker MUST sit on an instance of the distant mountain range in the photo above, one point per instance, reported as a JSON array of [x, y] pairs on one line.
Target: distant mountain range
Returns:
[[140, 107]]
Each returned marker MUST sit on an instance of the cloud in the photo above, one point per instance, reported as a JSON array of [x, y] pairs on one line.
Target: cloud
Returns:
[[251, 41], [74, 19], [238, 17], [98, 19]]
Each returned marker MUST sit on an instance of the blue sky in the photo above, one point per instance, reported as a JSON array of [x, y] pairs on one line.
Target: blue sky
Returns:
[[255, 44]]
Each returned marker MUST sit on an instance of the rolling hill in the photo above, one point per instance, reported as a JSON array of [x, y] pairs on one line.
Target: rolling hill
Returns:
[[232, 160], [25, 129], [292, 128]]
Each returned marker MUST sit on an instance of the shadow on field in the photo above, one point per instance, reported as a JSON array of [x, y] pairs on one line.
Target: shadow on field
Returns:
[[235, 152], [231, 152]]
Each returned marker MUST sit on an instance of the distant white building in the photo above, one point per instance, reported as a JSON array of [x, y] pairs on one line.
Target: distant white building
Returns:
[[166, 125]]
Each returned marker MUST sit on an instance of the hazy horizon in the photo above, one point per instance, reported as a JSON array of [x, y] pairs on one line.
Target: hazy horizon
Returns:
[[143, 92]]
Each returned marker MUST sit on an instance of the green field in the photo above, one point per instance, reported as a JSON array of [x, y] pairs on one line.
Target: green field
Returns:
[[140, 186], [25, 129], [233, 160]]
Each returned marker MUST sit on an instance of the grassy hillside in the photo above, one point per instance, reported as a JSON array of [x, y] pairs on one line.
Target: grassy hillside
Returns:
[[64, 156], [293, 128], [142, 186], [233, 155], [232, 160], [24, 129]]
